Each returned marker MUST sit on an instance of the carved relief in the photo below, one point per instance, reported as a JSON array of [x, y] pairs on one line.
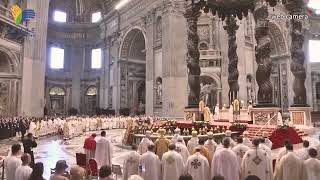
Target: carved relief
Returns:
[[4, 95], [159, 30], [204, 33], [284, 95]]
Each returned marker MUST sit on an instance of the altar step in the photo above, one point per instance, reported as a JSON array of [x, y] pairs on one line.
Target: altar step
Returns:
[[256, 132]]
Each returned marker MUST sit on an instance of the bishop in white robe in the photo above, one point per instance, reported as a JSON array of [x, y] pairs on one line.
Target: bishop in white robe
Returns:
[[182, 149], [312, 165], [145, 142], [198, 166], [193, 142], [176, 136], [246, 140], [240, 149], [150, 165], [303, 153], [256, 162], [211, 145], [104, 152], [267, 140], [264, 147], [131, 164], [172, 164], [290, 167], [224, 163]]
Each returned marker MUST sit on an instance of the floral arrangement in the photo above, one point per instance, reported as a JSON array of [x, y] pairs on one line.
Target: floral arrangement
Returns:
[[283, 127], [238, 127]]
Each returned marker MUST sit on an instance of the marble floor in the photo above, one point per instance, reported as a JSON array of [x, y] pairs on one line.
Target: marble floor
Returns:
[[52, 149]]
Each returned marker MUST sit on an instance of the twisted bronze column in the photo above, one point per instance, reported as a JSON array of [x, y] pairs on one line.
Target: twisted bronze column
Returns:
[[263, 55], [296, 7], [231, 28], [192, 14]]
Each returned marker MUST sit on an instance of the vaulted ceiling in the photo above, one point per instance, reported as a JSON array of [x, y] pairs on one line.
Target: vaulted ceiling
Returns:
[[80, 10]]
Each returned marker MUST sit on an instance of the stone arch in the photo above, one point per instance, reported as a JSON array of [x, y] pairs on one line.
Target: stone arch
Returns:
[[214, 76], [203, 45], [57, 91], [133, 68], [128, 39], [91, 91], [8, 61], [209, 90]]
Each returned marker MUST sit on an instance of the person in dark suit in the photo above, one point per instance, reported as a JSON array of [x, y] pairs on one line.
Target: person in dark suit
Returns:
[[29, 143]]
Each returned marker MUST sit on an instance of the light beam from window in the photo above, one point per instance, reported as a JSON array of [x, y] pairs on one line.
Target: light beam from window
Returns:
[[96, 55], [60, 16], [314, 53], [56, 58]]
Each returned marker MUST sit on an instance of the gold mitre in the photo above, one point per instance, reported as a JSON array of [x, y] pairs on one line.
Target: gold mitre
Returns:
[[162, 131], [194, 133]]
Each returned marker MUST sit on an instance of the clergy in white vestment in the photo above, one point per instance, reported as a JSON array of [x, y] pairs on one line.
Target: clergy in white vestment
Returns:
[[145, 142], [24, 171], [150, 165], [193, 142], [256, 162], [246, 140], [303, 153], [216, 112], [172, 164], [264, 147], [228, 136], [282, 151], [224, 163], [176, 135], [11, 163], [104, 152], [240, 149], [198, 166], [211, 145], [32, 127], [182, 149], [267, 140], [279, 119], [312, 165], [290, 167], [131, 163]]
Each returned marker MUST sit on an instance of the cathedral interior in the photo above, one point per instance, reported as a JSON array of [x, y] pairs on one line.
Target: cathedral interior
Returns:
[[86, 56]]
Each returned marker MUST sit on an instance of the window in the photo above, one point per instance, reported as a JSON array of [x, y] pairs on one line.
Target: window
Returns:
[[96, 58], [57, 58], [60, 16], [314, 53], [96, 17], [314, 4]]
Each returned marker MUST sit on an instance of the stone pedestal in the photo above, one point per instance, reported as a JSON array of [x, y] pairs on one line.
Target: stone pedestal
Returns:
[[262, 115], [300, 116], [192, 114]]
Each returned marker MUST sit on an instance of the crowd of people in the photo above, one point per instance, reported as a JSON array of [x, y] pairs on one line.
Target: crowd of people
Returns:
[[170, 159]]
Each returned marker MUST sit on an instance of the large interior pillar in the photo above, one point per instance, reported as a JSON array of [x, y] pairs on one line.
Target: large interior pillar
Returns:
[[231, 28], [33, 81], [174, 80], [263, 60]]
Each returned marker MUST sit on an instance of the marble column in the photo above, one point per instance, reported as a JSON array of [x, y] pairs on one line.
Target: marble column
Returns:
[[150, 79], [263, 60], [231, 27], [33, 80], [192, 14], [78, 55], [174, 67], [297, 67], [104, 86]]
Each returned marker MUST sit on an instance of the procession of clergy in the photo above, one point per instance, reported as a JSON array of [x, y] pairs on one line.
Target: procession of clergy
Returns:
[[238, 159], [73, 126]]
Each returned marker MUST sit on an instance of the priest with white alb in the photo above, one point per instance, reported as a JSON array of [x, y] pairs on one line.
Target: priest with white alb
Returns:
[[145, 142], [150, 165], [104, 152]]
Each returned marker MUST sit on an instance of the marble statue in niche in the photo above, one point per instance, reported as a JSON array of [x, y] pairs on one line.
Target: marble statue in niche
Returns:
[[159, 29], [250, 89], [158, 89]]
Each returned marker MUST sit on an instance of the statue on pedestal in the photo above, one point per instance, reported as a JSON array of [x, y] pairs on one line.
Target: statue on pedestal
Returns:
[[162, 143]]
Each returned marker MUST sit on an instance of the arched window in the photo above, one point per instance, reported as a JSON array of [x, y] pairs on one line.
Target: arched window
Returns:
[[318, 90], [57, 91], [4, 62], [91, 91]]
